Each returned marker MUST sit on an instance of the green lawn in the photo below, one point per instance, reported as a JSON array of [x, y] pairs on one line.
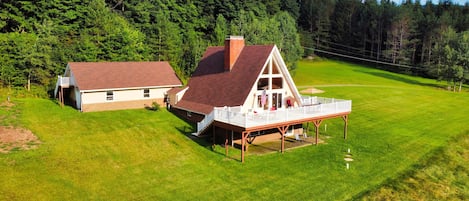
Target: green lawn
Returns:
[[397, 122]]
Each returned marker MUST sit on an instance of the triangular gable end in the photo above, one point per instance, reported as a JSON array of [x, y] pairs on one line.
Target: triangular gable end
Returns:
[[286, 73], [273, 86]]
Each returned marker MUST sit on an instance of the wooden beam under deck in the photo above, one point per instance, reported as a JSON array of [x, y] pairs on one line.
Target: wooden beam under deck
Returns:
[[282, 127], [317, 123], [283, 130], [345, 118]]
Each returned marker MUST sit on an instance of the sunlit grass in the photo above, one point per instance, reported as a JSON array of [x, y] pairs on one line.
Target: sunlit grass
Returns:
[[397, 121], [441, 176]]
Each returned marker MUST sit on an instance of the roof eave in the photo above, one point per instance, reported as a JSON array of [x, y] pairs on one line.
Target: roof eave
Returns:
[[129, 88], [189, 110]]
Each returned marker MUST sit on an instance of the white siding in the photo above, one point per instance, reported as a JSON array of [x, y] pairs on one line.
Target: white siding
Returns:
[[94, 97], [123, 95], [77, 97], [251, 100], [157, 93]]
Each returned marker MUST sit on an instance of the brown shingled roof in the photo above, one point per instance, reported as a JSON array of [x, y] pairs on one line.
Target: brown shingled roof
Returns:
[[211, 86], [175, 90], [121, 75]]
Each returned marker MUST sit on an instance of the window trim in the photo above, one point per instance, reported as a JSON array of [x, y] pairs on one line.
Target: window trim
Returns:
[[109, 95], [146, 93]]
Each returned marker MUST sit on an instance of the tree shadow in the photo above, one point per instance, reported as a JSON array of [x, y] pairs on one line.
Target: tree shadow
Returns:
[[401, 78], [203, 141], [187, 131]]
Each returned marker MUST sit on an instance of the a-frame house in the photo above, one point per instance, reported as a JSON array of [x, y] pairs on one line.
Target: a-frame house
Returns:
[[244, 89]]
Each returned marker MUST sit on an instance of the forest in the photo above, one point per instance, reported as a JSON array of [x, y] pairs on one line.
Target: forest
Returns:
[[38, 37]]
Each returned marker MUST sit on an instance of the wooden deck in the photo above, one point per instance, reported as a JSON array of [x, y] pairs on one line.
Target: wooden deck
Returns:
[[315, 110], [314, 107]]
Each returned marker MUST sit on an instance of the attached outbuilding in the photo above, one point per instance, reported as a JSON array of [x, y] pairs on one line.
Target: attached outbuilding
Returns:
[[99, 86]]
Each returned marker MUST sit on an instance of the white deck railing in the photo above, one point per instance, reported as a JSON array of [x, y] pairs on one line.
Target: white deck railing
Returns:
[[63, 82], [202, 125], [312, 107]]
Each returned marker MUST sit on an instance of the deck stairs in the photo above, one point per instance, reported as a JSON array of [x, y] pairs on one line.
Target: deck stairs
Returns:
[[63, 82], [203, 125]]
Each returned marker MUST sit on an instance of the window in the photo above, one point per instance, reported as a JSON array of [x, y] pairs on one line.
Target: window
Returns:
[[266, 70], [263, 83], [109, 95], [277, 100], [275, 69], [263, 102], [146, 93], [277, 83]]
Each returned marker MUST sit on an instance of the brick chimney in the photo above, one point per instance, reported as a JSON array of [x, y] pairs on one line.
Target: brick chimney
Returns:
[[233, 47]]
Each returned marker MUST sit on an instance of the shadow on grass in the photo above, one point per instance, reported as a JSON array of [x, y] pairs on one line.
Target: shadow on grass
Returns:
[[432, 158], [203, 141], [401, 78], [270, 146], [188, 130]]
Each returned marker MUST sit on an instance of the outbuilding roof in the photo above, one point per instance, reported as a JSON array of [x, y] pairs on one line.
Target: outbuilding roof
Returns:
[[122, 75]]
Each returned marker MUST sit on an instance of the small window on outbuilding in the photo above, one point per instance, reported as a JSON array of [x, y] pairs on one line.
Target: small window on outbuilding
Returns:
[[146, 93], [109, 95]]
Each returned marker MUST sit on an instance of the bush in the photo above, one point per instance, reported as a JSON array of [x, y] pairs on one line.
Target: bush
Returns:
[[155, 106]]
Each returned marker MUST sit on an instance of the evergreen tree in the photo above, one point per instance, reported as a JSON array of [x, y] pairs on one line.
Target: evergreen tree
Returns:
[[39, 37], [447, 67], [220, 32], [399, 39], [292, 7], [169, 42], [15, 58], [289, 43], [343, 21], [463, 58]]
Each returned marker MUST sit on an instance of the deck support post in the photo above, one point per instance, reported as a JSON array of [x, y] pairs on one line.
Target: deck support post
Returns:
[[283, 130], [213, 137], [243, 144], [317, 123], [61, 97], [345, 118], [232, 142], [226, 142]]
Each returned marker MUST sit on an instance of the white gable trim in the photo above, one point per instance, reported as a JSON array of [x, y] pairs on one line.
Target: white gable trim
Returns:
[[182, 92], [286, 73], [276, 57]]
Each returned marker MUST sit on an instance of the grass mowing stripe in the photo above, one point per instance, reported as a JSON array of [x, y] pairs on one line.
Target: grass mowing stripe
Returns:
[[145, 155]]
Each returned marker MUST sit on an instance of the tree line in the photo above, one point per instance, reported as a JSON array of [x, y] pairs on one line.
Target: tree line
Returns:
[[38, 38], [431, 40]]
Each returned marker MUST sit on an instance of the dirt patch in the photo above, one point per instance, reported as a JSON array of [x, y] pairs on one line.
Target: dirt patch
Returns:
[[7, 104], [15, 139], [311, 91]]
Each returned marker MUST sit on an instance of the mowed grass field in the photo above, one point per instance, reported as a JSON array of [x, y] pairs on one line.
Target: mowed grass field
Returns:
[[398, 122]]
